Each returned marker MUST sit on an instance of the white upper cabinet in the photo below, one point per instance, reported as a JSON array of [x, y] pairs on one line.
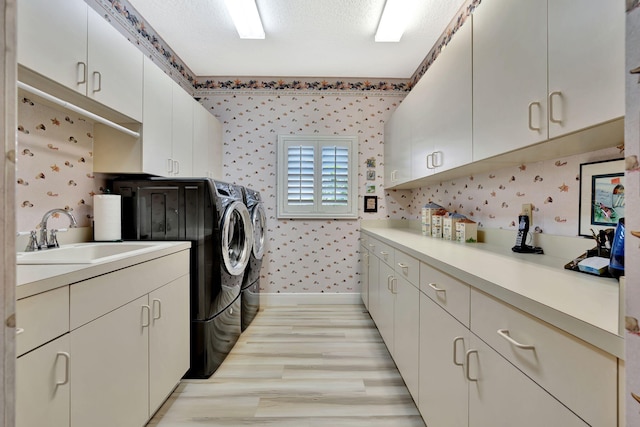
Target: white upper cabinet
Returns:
[[156, 119], [397, 145], [586, 63], [52, 40], [207, 143], [543, 70], [509, 76], [71, 44], [443, 127], [114, 68], [182, 131]]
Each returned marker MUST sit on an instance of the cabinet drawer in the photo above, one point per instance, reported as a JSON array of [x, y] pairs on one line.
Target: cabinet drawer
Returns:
[[95, 297], [447, 291], [385, 253], [408, 267], [579, 375], [41, 318]]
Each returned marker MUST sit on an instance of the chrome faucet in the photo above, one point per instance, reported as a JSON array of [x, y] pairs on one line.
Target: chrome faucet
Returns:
[[44, 243]]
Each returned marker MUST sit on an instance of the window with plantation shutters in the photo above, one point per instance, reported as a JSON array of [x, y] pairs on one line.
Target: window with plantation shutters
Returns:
[[317, 177]]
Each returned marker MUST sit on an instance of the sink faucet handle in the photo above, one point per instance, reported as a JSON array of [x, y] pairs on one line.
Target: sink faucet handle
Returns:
[[53, 239], [33, 241]]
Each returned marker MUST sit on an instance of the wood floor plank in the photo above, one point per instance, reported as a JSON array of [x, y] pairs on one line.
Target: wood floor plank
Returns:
[[299, 366]]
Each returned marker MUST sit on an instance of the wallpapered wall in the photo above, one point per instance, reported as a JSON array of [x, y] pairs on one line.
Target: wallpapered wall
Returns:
[[55, 166], [305, 255]]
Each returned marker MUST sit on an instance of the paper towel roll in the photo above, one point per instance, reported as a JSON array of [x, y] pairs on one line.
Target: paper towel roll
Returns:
[[106, 217]]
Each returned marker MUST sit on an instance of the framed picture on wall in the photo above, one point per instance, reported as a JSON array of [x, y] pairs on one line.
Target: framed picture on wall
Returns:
[[370, 203], [371, 175], [602, 201]]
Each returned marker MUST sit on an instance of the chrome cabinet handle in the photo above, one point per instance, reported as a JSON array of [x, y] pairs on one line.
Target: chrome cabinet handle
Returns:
[[169, 165], [19, 331], [455, 351], [438, 155], [389, 282], [159, 311], [394, 285], [177, 167], [552, 117], [466, 359], [84, 72], [371, 245], [142, 313], [504, 333], [384, 254], [402, 265], [430, 165], [436, 288], [531, 126], [67, 360], [97, 73]]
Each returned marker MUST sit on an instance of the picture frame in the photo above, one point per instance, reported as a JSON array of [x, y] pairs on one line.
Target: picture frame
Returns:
[[370, 203], [601, 199], [371, 175]]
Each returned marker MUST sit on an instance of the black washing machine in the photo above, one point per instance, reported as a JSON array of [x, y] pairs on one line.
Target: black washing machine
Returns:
[[250, 294], [213, 216]]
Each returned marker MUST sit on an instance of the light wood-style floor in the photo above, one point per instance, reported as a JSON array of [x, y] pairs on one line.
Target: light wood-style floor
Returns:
[[299, 366]]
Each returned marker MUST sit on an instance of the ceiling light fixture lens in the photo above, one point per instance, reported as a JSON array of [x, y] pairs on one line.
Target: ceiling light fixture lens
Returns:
[[246, 18], [393, 20]]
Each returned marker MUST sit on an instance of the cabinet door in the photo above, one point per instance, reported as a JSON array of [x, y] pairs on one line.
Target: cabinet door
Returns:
[[406, 333], [182, 133], [586, 63], [364, 277], [422, 126], [110, 368], [42, 386], [443, 386], [452, 104], [156, 119], [215, 146], [386, 305], [509, 73], [202, 144], [168, 339], [502, 396], [397, 146], [115, 68], [374, 286], [52, 40]]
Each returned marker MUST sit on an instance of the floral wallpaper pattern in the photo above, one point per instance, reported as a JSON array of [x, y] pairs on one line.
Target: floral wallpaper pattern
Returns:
[[306, 255], [494, 199], [55, 165]]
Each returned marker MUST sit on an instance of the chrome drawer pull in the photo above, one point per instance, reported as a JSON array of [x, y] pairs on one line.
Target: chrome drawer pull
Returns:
[[67, 359], [436, 288], [402, 265], [552, 117], [383, 253], [504, 333], [455, 350], [19, 331], [467, 357]]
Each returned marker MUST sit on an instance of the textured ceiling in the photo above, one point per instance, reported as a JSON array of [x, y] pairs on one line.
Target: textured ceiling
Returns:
[[304, 38]]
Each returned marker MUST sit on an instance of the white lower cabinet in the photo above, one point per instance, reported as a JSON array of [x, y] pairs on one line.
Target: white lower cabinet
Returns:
[[386, 305], [444, 391], [110, 376], [364, 275], [374, 288], [42, 386], [406, 333], [502, 396], [168, 339], [106, 351]]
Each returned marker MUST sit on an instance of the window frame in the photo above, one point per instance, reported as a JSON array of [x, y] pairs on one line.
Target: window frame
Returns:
[[285, 210]]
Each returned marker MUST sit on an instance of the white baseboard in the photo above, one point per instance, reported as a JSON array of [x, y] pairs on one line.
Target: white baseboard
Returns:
[[275, 299]]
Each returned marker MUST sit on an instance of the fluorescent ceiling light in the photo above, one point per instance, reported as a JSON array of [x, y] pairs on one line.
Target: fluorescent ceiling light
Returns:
[[393, 20], [246, 18]]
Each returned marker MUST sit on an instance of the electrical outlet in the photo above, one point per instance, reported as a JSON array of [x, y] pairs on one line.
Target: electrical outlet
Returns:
[[527, 209]]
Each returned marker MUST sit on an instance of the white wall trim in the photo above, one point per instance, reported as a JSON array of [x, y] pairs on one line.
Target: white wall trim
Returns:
[[276, 299]]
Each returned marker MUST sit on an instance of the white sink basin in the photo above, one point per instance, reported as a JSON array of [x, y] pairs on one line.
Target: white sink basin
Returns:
[[87, 253]]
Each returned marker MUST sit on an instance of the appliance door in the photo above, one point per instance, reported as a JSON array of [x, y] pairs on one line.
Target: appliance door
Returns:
[[259, 226], [237, 239]]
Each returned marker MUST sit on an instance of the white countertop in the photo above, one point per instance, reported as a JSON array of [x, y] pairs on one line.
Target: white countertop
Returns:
[[36, 278], [583, 305]]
